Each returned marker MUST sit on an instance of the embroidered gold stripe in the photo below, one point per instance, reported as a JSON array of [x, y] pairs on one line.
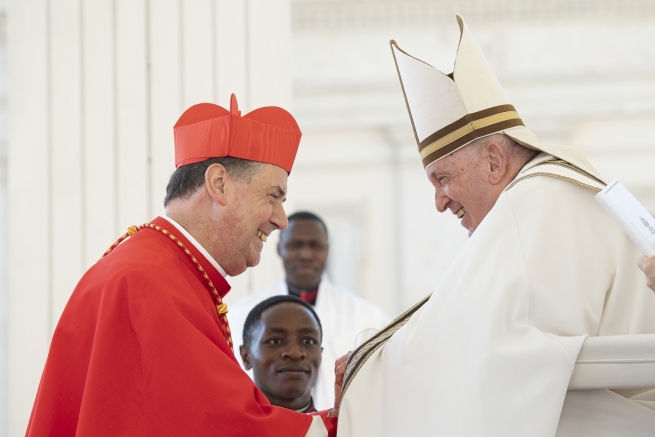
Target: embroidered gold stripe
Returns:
[[359, 357], [467, 129], [531, 175], [562, 163]]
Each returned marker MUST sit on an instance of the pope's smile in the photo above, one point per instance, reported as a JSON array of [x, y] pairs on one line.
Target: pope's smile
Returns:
[[461, 212]]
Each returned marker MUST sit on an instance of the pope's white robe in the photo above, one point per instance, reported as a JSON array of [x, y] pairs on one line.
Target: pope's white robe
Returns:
[[343, 315], [492, 351]]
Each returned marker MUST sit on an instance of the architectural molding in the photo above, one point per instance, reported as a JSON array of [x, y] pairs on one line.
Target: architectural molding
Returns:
[[340, 14]]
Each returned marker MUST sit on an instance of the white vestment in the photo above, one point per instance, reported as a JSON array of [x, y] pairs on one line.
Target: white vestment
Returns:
[[492, 351], [343, 315]]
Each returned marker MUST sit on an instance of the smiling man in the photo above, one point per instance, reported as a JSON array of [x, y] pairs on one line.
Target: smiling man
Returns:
[[282, 345], [492, 350], [304, 249], [469, 181], [144, 345]]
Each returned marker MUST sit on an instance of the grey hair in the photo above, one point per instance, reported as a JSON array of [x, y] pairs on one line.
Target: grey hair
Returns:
[[515, 151], [187, 179]]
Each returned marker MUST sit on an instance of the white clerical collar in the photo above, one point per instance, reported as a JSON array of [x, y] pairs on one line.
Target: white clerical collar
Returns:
[[196, 244]]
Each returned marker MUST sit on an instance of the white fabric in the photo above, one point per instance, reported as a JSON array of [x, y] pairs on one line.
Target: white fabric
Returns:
[[603, 413], [476, 82], [616, 362], [492, 351], [570, 154], [427, 91], [317, 428], [196, 244], [343, 315]]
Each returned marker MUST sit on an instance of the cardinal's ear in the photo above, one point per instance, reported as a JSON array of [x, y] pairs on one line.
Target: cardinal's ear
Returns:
[[217, 182]]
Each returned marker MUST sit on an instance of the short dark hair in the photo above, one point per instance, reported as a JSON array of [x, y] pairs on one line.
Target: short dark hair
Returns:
[[254, 317], [306, 215], [188, 178]]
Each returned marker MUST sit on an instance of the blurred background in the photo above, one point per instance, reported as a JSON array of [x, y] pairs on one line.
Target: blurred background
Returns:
[[90, 91]]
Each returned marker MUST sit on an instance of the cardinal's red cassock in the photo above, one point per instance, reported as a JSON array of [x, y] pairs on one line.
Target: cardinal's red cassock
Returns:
[[139, 350]]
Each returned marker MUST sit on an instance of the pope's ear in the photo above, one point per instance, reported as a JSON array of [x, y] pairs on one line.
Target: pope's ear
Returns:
[[497, 162], [216, 181], [245, 357]]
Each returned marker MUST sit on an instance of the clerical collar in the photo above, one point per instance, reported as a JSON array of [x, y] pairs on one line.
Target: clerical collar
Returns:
[[309, 408], [308, 296], [196, 244]]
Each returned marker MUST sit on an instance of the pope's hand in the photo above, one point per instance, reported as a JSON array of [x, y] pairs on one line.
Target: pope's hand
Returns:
[[339, 372], [648, 266]]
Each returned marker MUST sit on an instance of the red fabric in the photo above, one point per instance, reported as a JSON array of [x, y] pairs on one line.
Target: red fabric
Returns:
[[330, 423], [139, 351], [309, 296], [268, 134]]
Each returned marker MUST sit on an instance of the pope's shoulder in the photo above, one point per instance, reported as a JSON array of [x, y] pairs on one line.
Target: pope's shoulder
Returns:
[[553, 188], [544, 202]]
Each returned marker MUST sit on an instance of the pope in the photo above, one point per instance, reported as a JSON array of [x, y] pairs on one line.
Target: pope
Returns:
[[492, 350], [143, 346]]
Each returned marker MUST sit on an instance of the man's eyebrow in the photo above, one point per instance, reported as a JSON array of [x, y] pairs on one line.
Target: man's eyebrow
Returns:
[[433, 174], [275, 329], [279, 191]]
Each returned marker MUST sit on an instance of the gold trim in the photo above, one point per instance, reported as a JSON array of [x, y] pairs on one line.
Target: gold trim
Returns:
[[467, 129], [545, 161], [552, 175], [566, 164], [364, 352]]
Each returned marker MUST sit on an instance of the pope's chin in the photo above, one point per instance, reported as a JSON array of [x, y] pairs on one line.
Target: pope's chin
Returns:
[[466, 222]]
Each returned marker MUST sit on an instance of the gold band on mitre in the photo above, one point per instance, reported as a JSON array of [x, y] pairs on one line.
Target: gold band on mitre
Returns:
[[466, 129]]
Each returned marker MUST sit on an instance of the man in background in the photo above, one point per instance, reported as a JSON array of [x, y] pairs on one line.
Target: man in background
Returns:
[[282, 345], [304, 250]]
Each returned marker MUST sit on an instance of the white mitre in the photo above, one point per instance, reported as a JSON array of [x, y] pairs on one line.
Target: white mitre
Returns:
[[450, 111]]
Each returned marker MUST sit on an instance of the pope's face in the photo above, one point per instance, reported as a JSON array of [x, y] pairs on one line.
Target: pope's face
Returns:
[[461, 187], [304, 251], [255, 212], [285, 354]]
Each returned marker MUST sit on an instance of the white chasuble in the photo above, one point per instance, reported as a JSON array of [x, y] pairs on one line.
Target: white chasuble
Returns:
[[492, 350]]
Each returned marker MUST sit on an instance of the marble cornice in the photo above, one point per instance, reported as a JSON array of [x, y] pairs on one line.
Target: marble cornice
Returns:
[[339, 14]]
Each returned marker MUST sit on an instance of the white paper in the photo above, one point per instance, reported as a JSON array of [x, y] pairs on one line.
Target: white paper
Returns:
[[630, 214]]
